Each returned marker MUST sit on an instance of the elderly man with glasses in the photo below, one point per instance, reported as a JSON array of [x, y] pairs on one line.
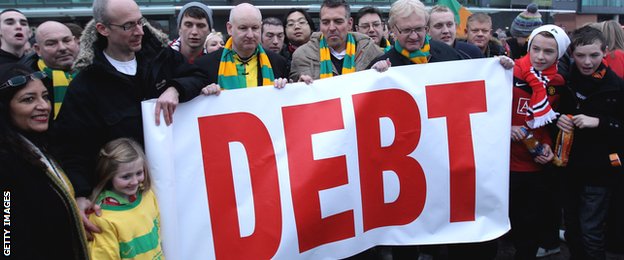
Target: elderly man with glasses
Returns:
[[413, 45], [122, 61]]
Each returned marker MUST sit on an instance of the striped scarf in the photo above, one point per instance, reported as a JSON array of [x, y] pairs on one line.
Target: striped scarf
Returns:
[[540, 111], [419, 56], [60, 81], [348, 63], [231, 74], [388, 46]]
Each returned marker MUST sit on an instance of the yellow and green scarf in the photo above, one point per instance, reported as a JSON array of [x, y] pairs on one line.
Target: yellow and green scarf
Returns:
[[348, 63], [231, 74], [60, 81], [418, 56], [388, 46]]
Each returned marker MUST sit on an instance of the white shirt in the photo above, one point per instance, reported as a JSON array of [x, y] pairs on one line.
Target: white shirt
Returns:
[[338, 55], [125, 67]]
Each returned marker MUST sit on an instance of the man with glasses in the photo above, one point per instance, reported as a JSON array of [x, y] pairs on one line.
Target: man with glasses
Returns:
[[442, 27], [408, 21], [479, 33], [122, 61], [368, 21], [14, 34], [334, 50], [298, 26]]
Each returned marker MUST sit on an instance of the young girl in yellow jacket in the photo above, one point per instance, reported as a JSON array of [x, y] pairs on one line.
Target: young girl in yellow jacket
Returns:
[[130, 220]]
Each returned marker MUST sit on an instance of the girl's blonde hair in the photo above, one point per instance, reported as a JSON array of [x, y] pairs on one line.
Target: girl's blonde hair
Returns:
[[114, 153]]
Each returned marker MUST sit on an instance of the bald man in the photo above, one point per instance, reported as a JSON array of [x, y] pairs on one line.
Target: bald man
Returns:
[[122, 61], [242, 57], [55, 52]]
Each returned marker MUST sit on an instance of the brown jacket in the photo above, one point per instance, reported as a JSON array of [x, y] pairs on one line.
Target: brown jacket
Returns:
[[306, 59]]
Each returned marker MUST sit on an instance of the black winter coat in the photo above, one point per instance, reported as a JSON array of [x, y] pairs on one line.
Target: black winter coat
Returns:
[[589, 155], [41, 223], [102, 104]]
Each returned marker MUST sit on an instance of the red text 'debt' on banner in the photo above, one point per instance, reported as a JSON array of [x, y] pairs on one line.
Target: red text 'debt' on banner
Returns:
[[415, 155]]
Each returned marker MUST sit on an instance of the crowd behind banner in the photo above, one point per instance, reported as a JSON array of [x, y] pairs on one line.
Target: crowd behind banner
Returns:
[[71, 134]]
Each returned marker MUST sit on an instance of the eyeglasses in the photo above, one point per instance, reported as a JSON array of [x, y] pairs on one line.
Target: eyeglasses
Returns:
[[131, 25], [292, 24], [21, 80], [366, 26], [409, 31]]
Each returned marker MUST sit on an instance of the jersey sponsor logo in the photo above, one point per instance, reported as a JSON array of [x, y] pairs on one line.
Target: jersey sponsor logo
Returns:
[[523, 106]]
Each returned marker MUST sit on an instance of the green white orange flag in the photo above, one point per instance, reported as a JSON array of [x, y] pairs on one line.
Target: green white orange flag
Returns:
[[461, 14]]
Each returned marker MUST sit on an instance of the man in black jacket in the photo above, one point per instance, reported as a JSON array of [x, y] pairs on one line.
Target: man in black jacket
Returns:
[[122, 62], [241, 63]]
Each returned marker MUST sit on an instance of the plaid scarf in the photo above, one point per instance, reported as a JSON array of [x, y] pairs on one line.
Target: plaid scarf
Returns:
[[231, 74], [419, 56], [540, 112], [60, 81], [348, 63]]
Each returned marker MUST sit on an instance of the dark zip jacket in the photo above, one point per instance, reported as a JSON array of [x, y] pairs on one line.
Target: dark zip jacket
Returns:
[[102, 104]]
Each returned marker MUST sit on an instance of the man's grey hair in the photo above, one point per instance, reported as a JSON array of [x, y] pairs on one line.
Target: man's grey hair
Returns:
[[99, 11], [407, 8]]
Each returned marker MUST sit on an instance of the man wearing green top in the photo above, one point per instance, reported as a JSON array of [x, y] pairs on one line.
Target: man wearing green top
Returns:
[[334, 50], [56, 51]]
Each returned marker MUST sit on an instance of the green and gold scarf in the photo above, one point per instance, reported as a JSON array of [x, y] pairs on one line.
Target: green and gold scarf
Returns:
[[388, 46], [60, 81], [419, 56], [348, 63], [231, 75]]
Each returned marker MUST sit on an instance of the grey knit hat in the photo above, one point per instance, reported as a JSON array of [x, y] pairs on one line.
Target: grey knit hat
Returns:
[[204, 7], [526, 22]]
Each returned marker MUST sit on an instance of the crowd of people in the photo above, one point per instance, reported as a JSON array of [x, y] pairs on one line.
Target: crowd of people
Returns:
[[71, 133]]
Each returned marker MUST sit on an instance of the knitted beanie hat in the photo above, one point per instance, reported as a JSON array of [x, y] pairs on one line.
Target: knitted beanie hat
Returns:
[[562, 39], [525, 22], [204, 7]]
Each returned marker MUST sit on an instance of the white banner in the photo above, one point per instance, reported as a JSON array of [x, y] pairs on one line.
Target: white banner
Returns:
[[415, 155]]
